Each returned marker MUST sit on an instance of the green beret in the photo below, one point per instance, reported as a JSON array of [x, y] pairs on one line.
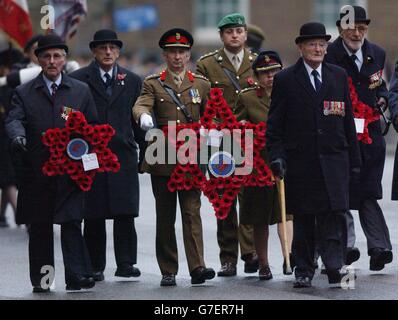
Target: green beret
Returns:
[[232, 20]]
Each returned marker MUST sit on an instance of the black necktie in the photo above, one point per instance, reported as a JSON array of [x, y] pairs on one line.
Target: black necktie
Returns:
[[354, 58], [108, 84], [317, 82], [54, 89]]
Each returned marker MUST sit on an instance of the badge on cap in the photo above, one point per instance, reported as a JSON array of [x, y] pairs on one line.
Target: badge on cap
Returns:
[[334, 108], [178, 36], [267, 59]]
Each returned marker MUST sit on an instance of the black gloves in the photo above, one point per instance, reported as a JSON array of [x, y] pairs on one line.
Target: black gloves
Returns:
[[19, 144], [278, 167]]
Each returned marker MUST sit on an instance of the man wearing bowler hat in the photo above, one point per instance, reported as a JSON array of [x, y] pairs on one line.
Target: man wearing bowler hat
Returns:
[[113, 195], [312, 143], [229, 68], [364, 63], [37, 106], [177, 95]]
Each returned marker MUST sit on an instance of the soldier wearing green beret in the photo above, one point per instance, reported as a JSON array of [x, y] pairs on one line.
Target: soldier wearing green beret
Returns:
[[229, 68]]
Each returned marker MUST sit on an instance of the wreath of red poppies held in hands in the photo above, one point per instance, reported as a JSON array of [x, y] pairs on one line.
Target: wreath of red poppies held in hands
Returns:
[[362, 111], [97, 136], [221, 191]]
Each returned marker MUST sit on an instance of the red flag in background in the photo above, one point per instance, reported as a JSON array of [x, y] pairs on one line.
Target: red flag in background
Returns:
[[15, 20], [68, 14]]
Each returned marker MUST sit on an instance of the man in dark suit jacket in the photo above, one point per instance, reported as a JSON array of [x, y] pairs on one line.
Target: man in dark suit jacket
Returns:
[[42, 201], [311, 137], [114, 195], [364, 63]]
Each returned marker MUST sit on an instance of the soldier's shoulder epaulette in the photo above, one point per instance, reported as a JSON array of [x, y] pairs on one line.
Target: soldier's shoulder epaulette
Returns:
[[210, 54], [248, 89], [199, 76], [153, 76]]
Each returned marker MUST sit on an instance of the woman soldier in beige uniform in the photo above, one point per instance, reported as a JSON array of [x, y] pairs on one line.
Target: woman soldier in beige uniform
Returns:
[[260, 206]]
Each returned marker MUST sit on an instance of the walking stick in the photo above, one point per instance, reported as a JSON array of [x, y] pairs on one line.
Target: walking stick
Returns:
[[282, 202]]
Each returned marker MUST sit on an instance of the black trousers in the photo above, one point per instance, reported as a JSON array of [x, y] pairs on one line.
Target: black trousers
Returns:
[[41, 252], [325, 232], [373, 225], [124, 241]]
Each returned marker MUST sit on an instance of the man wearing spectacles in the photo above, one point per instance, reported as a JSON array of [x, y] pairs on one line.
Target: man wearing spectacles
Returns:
[[364, 63]]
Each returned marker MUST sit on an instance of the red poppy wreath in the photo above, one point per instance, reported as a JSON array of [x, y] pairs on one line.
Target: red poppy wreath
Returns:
[[221, 190], [68, 145], [362, 111]]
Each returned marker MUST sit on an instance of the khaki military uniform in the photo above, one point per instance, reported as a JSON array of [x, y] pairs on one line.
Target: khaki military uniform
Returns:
[[156, 101], [260, 205], [211, 66]]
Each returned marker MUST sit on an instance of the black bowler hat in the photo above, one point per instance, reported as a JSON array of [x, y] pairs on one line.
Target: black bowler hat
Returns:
[[312, 30], [267, 60], [50, 41], [176, 38], [360, 15], [105, 36]]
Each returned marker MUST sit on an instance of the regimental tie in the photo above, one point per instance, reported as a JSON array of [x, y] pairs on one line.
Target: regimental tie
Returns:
[[317, 82], [54, 89]]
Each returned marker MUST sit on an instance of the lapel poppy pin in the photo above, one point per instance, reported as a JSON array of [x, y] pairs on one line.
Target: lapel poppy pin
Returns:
[[120, 78]]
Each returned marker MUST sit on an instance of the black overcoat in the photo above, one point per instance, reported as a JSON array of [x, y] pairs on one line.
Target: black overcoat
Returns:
[[114, 194], [33, 111], [372, 155], [319, 149]]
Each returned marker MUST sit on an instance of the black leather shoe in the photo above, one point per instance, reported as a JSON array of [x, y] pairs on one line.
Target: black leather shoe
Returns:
[[38, 289], [292, 264], [302, 282], [264, 273], [81, 283], [352, 255], [98, 276], [127, 272], [168, 280], [251, 263], [228, 269], [378, 258], [3, 223], [201, 274]]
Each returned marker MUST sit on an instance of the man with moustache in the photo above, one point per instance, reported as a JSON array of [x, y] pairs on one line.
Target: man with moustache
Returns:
[[43, 201], [364, 63]]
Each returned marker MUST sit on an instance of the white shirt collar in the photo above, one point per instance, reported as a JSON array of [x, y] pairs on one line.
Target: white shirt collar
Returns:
[[49, 82], [102, 72], [230, 55], [309, 70], [359, 54]]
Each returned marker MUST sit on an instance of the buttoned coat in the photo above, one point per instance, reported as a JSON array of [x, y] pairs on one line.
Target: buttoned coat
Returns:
[[372, 155], [319, 148], [114, 194], [46, 199]]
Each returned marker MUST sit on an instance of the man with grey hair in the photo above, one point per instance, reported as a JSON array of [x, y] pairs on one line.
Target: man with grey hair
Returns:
[[364, 64], [43, 201]]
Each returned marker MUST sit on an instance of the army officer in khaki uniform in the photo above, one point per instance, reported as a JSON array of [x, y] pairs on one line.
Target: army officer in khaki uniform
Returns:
[[260, 205], [192, 91], [229, 68]]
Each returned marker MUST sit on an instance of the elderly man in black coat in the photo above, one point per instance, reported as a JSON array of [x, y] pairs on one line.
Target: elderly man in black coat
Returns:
[[311, 141], [114, 195], [42, 201], [364, 63]]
